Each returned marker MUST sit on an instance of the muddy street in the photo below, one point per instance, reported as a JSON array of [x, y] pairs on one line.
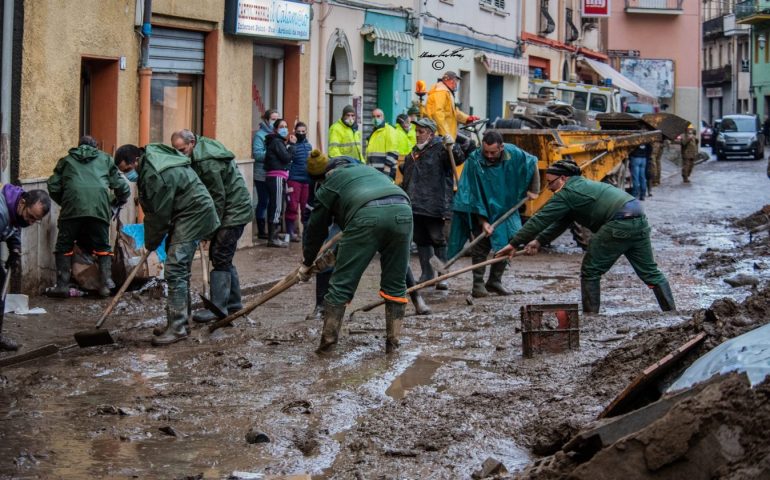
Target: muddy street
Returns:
[[457, 392]]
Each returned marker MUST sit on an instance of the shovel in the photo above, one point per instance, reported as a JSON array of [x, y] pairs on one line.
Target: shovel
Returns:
[[92, 338], [280, 287], [448, 147], [441, 278], [443, 268]]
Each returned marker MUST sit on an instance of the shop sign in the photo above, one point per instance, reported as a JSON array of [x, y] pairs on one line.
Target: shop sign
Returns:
[[714, 92], [595, 8], [268, 18]]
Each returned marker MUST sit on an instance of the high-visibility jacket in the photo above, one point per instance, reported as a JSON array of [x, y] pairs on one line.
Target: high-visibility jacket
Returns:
[[344, 141], [382, 149], [440, 107], [406, 140]]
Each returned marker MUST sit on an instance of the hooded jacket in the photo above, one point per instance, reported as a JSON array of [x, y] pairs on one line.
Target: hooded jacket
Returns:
[[174, 200], [344, 141], [215, 165], [440, 107], [428, 178], [278, 155], [82, 182], [298, 170]]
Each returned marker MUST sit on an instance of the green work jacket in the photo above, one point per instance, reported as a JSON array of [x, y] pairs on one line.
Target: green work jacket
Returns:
[[174, 200], [82, 181], [589, 203], [215, 165]]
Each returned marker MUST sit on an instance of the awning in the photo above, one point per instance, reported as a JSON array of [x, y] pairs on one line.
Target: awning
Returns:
[[389, 42], [618, 79], [502, 65]]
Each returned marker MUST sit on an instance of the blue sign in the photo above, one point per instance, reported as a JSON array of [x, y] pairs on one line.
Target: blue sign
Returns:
[[278, 19]]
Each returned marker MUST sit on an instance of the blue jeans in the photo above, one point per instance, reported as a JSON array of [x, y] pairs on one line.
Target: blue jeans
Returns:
[[639, 177], [263, 196]]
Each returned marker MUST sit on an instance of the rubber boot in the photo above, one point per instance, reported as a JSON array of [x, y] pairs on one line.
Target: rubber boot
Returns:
[[63, 273], [495, 282], [331, 330], [321, 287], [261, 229], [424, 253], [441, 255], [479, 289], [394, 317], [591, 291], [664, 296], [219, 286], [420, 306], [273, 240], [234, 302], [176, 319], [105, 274]]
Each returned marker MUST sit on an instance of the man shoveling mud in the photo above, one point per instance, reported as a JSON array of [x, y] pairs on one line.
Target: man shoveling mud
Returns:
[[617, 221], [375, 216], [176, 203]]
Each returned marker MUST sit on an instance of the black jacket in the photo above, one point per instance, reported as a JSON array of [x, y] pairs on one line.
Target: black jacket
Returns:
[[278, 154], [428, 178]]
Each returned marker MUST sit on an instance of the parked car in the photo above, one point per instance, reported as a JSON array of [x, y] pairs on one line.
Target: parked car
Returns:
[[706, 134], [740, 135], [638, 109]]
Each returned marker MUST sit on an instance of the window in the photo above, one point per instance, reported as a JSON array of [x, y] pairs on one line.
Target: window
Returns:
[[598, 103], [175, 103], [498, 4]]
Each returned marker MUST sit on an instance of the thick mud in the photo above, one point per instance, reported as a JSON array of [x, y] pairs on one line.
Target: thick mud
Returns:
[[458, 391]]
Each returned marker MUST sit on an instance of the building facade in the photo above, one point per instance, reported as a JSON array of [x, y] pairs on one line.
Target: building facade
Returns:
[[756, 14]]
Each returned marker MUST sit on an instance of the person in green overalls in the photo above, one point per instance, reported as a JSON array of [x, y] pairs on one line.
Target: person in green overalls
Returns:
[[177, 204], [375, 216], [617, 221]]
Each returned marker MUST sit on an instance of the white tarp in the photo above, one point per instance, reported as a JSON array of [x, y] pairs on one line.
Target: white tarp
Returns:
[[748, 353], [503, 65], [618, 79]]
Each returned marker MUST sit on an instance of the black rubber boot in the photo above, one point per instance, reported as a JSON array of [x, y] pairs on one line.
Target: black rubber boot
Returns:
[[176, 319], [332, 323], [63, 273], [105, 274], [424, 253], [664, 296], [8, 345], [261, 229], [273, 240], [495, 282], [321, 287], [441, 255], [420, 306], [479, 289], [394, 318], [219, 287], [234, 302], [591, 291]]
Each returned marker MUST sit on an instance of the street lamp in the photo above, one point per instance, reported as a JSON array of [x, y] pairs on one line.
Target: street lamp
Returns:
[[762, 40]]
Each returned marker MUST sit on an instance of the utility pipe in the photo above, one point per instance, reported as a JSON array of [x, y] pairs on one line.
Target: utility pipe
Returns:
[[321, 96], [6, 92], [145, 76]]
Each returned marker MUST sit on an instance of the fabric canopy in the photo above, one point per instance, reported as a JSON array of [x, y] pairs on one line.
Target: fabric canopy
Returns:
[[618, 79], [503, 65], [389, 42]]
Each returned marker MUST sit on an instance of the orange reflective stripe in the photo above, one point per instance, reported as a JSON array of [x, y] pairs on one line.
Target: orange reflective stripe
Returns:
[[393, 299], [102, 254], [70, 253]]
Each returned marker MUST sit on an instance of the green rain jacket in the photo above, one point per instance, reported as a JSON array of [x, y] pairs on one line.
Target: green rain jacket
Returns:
[[81, 184], [490, 191], [174, 200], [215, 165], [589, 203]]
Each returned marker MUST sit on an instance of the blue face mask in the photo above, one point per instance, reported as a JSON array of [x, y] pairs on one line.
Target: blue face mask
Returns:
[[284, 132], [132, 176]]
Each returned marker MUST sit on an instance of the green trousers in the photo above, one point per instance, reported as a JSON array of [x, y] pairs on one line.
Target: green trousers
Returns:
[[91, 235], [622, 237], [178, 266], [385, 229]]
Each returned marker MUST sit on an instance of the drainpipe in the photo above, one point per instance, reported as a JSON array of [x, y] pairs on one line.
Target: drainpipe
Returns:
[[321, 93], [5, 93], [145, 75]]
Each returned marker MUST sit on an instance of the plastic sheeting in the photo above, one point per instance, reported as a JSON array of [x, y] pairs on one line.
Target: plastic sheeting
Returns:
[[136, 232], [748, 353]]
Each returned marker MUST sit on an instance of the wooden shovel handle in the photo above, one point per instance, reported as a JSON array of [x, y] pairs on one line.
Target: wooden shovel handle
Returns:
[[123, 288]]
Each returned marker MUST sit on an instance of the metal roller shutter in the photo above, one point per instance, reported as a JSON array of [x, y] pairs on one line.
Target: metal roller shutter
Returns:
[[176, 51]]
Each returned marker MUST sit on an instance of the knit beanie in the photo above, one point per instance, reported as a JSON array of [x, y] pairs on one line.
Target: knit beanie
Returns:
[[348, 109], [316, 163], [568, 168]]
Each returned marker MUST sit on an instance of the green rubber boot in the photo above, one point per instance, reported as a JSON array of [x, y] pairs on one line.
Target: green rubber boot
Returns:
[[219, 287], [394, 318], [664, 296], [105, 275], [495, 282], [331, 330], [591, 291], [176, 318], [479, 289]]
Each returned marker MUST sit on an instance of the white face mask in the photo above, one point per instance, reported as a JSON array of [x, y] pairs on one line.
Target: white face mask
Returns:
[[423, 144]]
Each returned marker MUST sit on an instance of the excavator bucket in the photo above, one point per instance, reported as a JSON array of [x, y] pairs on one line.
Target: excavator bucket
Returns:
[[670, 125]]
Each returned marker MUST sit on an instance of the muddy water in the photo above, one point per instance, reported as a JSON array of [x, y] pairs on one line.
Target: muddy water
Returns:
[[458, 392]]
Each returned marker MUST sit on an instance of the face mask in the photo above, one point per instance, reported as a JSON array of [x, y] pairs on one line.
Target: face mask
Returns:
[[271, 123], [423, 144], [349, 121], [378, 121], [284, 132], [301, 136], [132, 176]]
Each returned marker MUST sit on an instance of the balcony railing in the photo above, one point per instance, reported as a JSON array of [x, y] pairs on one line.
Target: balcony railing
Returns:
[[749, 10], [654, 6], [717, 76], [713, 28]]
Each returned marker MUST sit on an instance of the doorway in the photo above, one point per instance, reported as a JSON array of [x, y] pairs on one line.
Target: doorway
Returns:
[[494, 97], [99, 101]]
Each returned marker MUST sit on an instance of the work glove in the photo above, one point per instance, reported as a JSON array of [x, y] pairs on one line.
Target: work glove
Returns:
[[471, 119], [14, 260], [448, 140], [326, 260], [304, 273]]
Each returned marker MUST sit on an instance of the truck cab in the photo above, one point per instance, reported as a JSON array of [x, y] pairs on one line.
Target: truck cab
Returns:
[[587, 100]]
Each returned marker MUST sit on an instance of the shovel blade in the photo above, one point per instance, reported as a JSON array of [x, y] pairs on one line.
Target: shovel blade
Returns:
[[93, 338], [212, 307], [437, 265]]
